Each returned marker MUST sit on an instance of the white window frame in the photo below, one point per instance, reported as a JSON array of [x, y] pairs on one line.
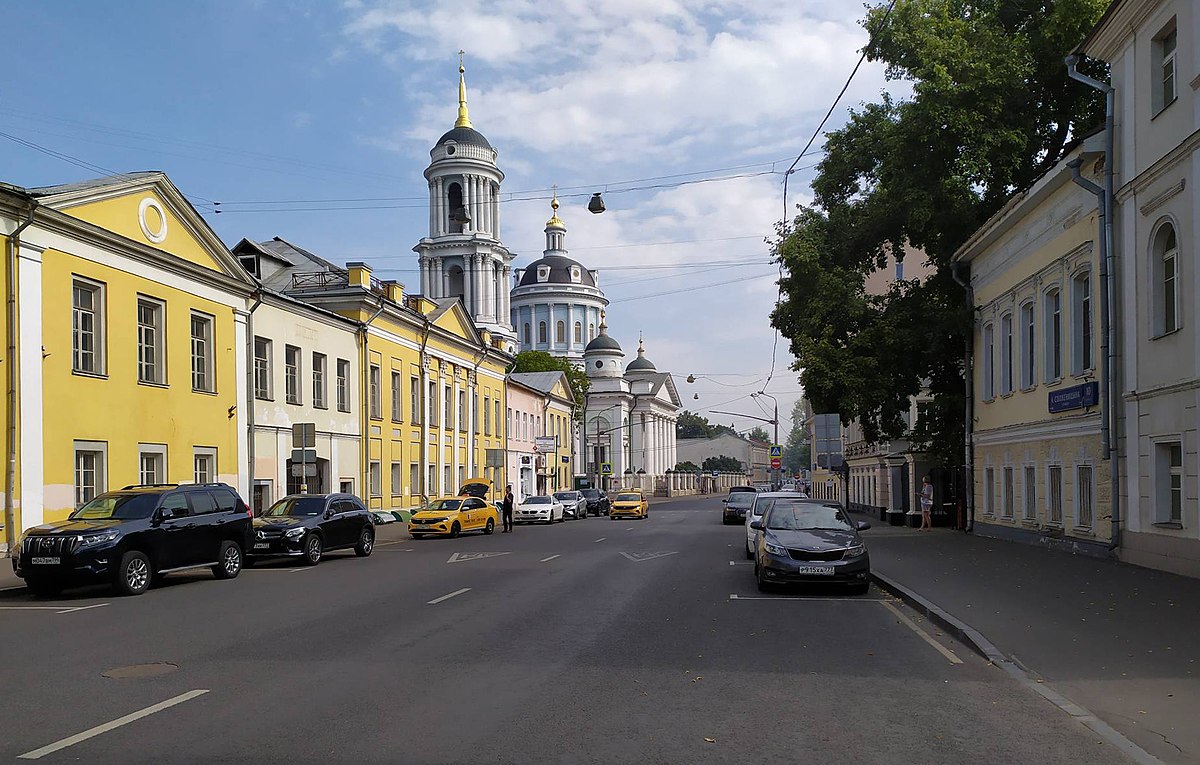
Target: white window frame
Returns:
[[560, 332], [375, 473], [543, 333], [343, 385], [1052, 334], [1006, 353], [989, 491], [397, 479], [1169, 481], [202, 348], [578, 332], [414, 477], [374, 383], [1165, 89], [292, 357], [989, 361], [158, 452], [151, 341], [320, 372], [1028, 345], [1007, 491], [262, 369], [96, 314], [1029, 480], [397, 396], [1055, 512], [1085, 495], [98, 450], [1164, 279], [1083, 356], [414, 400], [204, 454]]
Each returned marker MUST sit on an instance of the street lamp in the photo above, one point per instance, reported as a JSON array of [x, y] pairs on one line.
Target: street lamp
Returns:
[[776, 422]]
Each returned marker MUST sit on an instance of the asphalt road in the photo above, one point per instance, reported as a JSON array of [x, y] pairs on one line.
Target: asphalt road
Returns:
[[590, 641]]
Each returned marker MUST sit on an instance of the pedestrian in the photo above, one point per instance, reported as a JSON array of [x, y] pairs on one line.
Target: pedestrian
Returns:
[[926, 504], [507, 507]]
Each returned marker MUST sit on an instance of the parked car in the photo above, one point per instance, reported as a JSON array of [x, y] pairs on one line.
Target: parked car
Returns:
[[735, 506], [450, 516], [539, 508], [630, 504], [763, 502], [806, 541], [309, 525], [573, 502], [136, 535], [598, 502], [382, 517]]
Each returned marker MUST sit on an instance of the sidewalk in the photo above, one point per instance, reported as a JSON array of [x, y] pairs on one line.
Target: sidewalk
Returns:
[[1122, 641]]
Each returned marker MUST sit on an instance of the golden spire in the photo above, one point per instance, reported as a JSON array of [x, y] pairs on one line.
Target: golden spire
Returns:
[[554, 219], [463, 120]]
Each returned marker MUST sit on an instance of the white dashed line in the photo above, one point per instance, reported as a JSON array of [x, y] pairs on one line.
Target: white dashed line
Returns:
[[456, 593], [547, 560], [741, 563], [82, 608], [601, 539]]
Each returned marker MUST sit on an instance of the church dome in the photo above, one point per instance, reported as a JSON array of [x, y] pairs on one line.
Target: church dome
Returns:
[[465, 135], [641, 363], [602, 343], [560, 272]]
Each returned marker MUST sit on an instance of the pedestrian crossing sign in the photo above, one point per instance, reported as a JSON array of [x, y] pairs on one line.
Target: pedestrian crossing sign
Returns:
[[606, 468], [776, 450]]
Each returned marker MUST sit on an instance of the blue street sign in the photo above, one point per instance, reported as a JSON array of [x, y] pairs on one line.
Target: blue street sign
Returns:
[[606, 468], [1075, 397], [776, 450]]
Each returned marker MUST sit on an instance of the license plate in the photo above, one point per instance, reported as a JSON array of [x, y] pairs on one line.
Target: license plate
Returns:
[[45, 561], [262, 545], [816, 570]]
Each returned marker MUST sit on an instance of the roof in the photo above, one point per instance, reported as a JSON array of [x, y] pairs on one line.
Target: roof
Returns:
[[93, 183], [603, 342], [560, 272], [542, 382], [464, 135], [293, 259]]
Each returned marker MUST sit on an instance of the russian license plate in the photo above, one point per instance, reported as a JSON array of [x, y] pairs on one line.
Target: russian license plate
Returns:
[[262, 545], [816, 570], [45, 561]]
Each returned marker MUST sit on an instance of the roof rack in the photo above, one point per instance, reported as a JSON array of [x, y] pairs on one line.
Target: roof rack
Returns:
[[146, 485]]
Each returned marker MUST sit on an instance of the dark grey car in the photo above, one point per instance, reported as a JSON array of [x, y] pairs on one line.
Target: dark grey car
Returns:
[[805, 541], [309, 525]]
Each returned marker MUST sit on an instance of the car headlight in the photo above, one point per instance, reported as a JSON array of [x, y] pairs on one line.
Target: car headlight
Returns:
[[855, 550], [775, 549], [99, 538], [436, 520], [295, 533]]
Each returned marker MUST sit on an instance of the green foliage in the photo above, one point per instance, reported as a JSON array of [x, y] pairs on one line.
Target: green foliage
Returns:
[[689, 425], [796, 452], [540, 361], [759, 434], [724, 464], [687, 466], [992, 109]]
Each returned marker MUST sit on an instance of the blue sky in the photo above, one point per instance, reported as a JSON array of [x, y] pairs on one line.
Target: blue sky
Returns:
[[312, 121]]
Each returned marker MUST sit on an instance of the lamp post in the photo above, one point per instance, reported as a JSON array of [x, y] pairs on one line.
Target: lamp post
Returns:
[[776, 423]]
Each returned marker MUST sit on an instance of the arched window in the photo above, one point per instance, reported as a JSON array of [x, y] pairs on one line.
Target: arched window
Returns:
[[455, 275], [1081, 323], [591, 332], [560, 332], [528, 337], [989, 361], [1006, 354], [1165, 262], [1053, 340], [454, 209], [578, 332], [542, 332]]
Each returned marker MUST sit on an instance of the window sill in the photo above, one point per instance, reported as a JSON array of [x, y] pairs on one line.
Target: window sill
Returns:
[[1163, 108], [149, 384], [1162, 335], [257, 397], [376, 418], [294, 402], [345, 410], [204, 392], [1053, 383], [93, 375], [1006, 395], [1086, 375], [1028, 388], [1083, 531], [1174, 525], [1030, 522], [320, 406]]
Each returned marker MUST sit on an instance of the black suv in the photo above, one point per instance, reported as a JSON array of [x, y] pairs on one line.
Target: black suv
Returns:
[[132, 536], [309, 525], [597, 501]]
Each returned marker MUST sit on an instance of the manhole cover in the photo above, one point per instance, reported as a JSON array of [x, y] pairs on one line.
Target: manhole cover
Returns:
[[141, 670]]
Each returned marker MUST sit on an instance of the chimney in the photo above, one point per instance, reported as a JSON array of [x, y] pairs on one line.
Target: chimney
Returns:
[[360, 275], [394, 291]]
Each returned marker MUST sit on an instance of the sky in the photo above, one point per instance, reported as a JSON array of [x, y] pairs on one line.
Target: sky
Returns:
[[313, 121]]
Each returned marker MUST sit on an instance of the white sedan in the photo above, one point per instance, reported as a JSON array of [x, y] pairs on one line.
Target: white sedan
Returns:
[[539, 508], [762, 503]]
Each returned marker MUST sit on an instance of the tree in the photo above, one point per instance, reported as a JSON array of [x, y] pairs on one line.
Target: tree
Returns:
[[540, 361], [687, 466], [796, 453], [991, 111], [724, 464], [689, 425], [758, 434]]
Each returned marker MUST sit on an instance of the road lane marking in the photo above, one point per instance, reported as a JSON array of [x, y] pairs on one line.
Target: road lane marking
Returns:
[[459, 557], [943, 650], [601, 539], [641, 556], [393, 542], [92, 732], [631, 528], [547, 560], [14, 587], [456, 593], [741, 563], [807, 600], [82, 608], [30, 608]]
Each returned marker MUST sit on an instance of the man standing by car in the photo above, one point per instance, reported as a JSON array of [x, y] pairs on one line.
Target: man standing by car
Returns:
[[507, 508]]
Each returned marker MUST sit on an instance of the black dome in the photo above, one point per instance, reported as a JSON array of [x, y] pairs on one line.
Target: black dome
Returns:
[[641, 364], [465, 135], [602, 343], [560, 272]]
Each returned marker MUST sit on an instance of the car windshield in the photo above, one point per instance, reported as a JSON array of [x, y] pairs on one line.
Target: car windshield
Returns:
[[741, 499], [591, 493], [565, 495], [541, 500], [117, 506], [446, 505], [798, 516], [629, 497], [296, 506]]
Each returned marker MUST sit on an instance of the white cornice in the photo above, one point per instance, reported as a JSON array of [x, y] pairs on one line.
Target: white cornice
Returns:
[[1120, 23], [1161, 167], [1065, 427]]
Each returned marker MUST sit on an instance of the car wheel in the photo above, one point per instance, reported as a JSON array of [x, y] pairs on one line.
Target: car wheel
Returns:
[[229, 561], [763, 585], [313, 550], [44, 588], [133, 574], [455, 530], [366, 543], [749, 552], [491, 526]]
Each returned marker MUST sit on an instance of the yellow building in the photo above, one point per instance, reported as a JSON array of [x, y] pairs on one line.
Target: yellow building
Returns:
[[1040, 472], [130, 352]]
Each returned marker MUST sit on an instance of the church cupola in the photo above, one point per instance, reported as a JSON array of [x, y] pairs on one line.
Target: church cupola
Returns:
[[556, 231], [641, 364], [602, 357]]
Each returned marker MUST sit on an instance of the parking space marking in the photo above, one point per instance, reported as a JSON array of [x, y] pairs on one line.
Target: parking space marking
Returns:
[[14, 587], [741, 563], [631, 528], [92, 732], [82, 608], [547, 560], [30, 608], [943, 650], [601, 539], [848, 599], [456, 593], [393, 542]]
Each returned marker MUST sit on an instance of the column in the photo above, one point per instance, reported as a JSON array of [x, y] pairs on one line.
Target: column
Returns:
[[468, 287], [454, 433], [487, 205], [496, 211], [472, 442], [424, 461], [438, 285], [439, 206], [506, 293], [487, 288], [29, 352]]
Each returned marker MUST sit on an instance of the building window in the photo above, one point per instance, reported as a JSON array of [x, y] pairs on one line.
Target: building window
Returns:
[[462, 410], [1028, 339], [431, 487], [87, 327], [376, 380], [579, 332], [414, 402], [397, 399], [1168, 457], [291, 374], [475, 410], [542, 332], [1081, 323], [560, 332], [433, 401], [1163, 94], [152, 464], [448, 408], [1055, 478], [1030, 509], [1053, 331], [90, 471], [591, 332], [397, 479], [343, 385], [202, 353], [1166, 280], [497, 415], [204, 464], [989, 491], [1083, 496], [319, 364], [989, 355], [150, 339], [376, 476], [414, 478], [508, 423], [262, 368], [446, 480], [487, 416], [1008, 493], [528, 335], [1006, 354]]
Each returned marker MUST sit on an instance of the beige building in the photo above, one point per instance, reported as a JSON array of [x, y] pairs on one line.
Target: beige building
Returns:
[[751, 453]]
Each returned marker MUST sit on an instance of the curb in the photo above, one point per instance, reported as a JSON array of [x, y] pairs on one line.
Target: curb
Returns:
[[977, 642]]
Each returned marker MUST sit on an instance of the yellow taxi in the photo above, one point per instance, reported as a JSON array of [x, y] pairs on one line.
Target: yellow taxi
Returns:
[[629, 503], [450, 516]]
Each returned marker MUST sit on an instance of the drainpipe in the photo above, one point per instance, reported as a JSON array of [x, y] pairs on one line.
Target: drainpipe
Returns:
[[968, 403], [1108, 373], [365, 405], [10, 268], [250, 390], [423, 397]]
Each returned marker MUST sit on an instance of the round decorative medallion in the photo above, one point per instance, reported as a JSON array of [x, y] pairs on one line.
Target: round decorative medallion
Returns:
[[161, 224]]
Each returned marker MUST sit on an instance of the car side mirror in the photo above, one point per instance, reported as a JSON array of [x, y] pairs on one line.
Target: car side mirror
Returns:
[[862, 525], [328, 513], [756, 525], [165, 513]]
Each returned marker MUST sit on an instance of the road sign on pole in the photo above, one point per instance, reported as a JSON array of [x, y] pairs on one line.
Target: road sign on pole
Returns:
[[776, 451], [304, 435], [606, 468], [776, 463]]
